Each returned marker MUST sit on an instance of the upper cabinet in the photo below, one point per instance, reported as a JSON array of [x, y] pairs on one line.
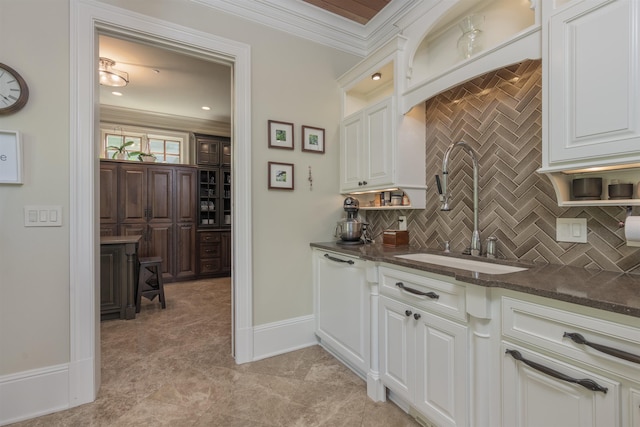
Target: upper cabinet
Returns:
[[591, 116], [380, 149], [455, 41]]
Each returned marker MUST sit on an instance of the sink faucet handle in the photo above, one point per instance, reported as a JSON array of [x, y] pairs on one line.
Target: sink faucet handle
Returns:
[[447, 246]]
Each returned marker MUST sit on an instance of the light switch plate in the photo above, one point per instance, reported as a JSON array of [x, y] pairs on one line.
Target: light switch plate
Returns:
[[571, 230], [42, 216]]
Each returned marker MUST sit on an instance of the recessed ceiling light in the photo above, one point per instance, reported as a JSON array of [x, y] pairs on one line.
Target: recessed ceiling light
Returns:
[[205, 108], [116, 93]]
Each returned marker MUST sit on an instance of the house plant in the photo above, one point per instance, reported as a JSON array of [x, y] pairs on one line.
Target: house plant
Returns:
[[121, 151]]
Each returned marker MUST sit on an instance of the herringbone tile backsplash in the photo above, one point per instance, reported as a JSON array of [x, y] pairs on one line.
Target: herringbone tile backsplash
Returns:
[[499, 115]]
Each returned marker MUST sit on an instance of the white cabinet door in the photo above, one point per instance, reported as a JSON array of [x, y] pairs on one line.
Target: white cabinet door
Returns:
[[442, 377], [593, 90], [533, 398], [342, 307], [378, 149], [634, 405], [351, 142], [367, 148], [397, 341], [424, 359]]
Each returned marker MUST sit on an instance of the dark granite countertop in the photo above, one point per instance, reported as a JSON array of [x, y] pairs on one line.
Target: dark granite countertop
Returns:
[[605, 290]]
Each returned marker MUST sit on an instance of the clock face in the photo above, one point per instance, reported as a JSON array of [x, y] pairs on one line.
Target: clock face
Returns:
[[13, 90]]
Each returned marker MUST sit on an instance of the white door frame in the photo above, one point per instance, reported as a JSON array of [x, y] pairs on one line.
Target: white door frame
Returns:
[[87, 17]]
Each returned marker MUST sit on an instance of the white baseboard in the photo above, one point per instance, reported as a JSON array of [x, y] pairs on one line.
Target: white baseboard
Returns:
[[281, 337], [33, 393]]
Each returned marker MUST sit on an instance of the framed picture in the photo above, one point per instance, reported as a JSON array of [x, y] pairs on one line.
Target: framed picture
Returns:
[[10, 157], [280, 135], [312, 139], [280, 176]]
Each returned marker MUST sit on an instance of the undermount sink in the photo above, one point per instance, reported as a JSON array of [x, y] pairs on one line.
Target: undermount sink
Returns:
[[462, 264]]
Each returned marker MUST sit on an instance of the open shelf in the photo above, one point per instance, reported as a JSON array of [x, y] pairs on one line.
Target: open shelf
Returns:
[[510, 33], [562, 182]]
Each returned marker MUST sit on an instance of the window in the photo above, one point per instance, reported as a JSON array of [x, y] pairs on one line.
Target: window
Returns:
[[165, 150], [113, 142], [169, 147]]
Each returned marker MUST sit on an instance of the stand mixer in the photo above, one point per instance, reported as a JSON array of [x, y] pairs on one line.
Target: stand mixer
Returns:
[[351, 230]]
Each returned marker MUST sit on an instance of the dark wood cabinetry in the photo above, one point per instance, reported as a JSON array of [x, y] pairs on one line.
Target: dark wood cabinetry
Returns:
[[214, 205], [118, 269], [158, 203], [215, 252], [213, 150], [108, 199]]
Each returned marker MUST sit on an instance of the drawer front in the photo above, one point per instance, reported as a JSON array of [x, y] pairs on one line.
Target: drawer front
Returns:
[[209, 250], [209, 266], [209, 237], [546, 326], [449, 298]]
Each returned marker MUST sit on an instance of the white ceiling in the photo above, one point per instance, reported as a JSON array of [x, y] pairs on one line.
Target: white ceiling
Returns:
[[167, 82], [185, 82]]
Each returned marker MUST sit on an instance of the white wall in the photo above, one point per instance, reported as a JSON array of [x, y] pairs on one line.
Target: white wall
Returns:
[[294, 80], [34, 262]]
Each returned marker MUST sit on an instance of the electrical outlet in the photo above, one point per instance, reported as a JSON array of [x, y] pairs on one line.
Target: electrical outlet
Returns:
[[402, 222]]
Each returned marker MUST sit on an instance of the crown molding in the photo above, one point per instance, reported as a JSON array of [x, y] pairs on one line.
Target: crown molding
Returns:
[[132, 117], [312, 23]]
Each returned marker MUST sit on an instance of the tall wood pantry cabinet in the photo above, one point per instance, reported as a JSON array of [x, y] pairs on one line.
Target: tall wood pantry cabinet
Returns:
[[214, 205], [157, 202]]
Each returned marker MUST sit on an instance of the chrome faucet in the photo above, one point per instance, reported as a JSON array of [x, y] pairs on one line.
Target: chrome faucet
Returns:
[[476, 245]]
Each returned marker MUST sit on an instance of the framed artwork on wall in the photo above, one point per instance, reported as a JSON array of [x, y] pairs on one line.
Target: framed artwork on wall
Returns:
[[312, 139], [280, 135], [280, 176], [10, 157]]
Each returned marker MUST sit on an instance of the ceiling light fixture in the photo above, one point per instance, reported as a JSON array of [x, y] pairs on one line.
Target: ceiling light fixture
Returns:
[[110, 76], [205, 108], [376, 76]]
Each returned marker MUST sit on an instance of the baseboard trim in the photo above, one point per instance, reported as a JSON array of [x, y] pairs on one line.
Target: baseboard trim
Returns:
[[272, 339], [33, 393]]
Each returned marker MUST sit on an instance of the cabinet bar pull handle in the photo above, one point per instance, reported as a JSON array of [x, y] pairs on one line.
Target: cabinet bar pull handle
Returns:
[[431, 295], [620, 354], [327, 256], [586, 382]]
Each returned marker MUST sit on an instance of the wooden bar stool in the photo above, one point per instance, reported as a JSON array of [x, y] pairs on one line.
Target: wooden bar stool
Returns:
[[150, 281]]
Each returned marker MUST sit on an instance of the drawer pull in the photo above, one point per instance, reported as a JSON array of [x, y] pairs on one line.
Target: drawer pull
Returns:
[[408, 313], [329, 257], [431, 295], [417, 316], [586, 382], [620, 354]]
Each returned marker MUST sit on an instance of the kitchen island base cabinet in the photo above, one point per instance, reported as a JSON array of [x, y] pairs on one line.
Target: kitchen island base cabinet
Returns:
[[118, 276]]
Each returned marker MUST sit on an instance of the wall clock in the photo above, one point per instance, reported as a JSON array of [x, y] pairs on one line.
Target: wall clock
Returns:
[[14, 92]]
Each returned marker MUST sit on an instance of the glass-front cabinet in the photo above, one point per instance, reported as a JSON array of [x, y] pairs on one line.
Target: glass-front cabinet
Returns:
[[214, 199], [209, 197]]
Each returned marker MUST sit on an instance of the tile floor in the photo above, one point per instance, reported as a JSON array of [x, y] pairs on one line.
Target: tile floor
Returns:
[[173, 367]]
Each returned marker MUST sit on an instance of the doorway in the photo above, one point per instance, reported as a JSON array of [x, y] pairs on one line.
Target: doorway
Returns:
[[88, 20]]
